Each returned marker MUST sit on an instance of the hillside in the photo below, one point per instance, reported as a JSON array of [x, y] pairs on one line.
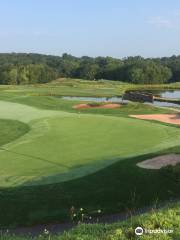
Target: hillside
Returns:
[[167, 219]]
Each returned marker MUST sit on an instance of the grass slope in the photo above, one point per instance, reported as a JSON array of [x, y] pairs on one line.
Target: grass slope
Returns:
[[167, 218], [11, 130]]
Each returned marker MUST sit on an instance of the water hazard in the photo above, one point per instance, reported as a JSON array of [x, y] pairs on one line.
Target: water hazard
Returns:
[[170, 94]]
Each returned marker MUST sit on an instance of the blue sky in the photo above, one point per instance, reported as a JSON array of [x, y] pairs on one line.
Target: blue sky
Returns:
[[91, 27]]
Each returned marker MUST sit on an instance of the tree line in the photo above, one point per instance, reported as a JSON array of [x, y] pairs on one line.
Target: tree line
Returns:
[[22, 68]]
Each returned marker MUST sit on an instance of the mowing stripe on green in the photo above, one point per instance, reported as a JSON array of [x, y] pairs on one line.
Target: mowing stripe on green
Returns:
[[61, 146]]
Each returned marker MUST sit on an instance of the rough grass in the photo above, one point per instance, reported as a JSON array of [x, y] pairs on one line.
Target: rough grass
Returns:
[[167, 218], [78, 87]]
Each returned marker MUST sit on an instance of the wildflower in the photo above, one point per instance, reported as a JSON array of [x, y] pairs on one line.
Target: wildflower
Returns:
[[74, 215], [46, 231], [99, 211], [72, 209], [81, 209]]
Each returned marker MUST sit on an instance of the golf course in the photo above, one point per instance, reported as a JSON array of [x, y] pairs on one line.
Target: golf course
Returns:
[[89, 120], [60, 146], [54, 156]]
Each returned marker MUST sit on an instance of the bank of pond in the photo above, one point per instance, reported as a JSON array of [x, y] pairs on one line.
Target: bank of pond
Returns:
[[161, 98]]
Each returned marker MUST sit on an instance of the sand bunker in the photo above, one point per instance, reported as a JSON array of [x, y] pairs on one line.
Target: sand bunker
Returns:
[[160, 161], [109, 105], [166, 118]]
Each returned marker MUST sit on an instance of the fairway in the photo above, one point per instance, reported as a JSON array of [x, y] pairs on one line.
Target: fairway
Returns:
[[55, 146]]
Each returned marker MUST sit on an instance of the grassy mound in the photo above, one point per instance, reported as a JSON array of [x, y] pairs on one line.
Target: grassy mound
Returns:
[[11, 130]]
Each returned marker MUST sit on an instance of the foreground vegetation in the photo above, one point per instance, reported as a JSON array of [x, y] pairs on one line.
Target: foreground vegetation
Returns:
[[164, 219], [168, 218]]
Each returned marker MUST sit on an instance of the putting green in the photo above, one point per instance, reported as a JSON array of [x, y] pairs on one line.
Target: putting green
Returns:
[[61, 146]]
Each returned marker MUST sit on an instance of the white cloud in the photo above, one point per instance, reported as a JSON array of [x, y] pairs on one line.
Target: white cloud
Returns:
[[161, 22], [170, 20]]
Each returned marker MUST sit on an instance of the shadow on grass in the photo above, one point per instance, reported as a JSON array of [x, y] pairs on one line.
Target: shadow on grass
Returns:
[[118, 187], [35, 157]]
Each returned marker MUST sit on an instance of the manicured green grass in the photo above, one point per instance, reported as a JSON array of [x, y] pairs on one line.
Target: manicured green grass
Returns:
[[63, 146], [116, 188], [11, 130], [78, 87], [94, 150], [56, 103]]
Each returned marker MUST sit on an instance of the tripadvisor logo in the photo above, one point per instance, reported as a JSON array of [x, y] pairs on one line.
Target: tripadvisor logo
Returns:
[[139, 231]]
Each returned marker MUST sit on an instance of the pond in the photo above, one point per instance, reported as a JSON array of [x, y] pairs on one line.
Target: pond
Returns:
[[170, 94], [163, 104]]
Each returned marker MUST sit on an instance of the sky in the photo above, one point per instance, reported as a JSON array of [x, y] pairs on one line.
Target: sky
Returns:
[[117, 28]]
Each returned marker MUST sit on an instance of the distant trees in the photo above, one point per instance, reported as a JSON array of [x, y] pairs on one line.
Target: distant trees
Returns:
[[37, 68], [174, 64], [87, 71], [148, 72], [26, 74]]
